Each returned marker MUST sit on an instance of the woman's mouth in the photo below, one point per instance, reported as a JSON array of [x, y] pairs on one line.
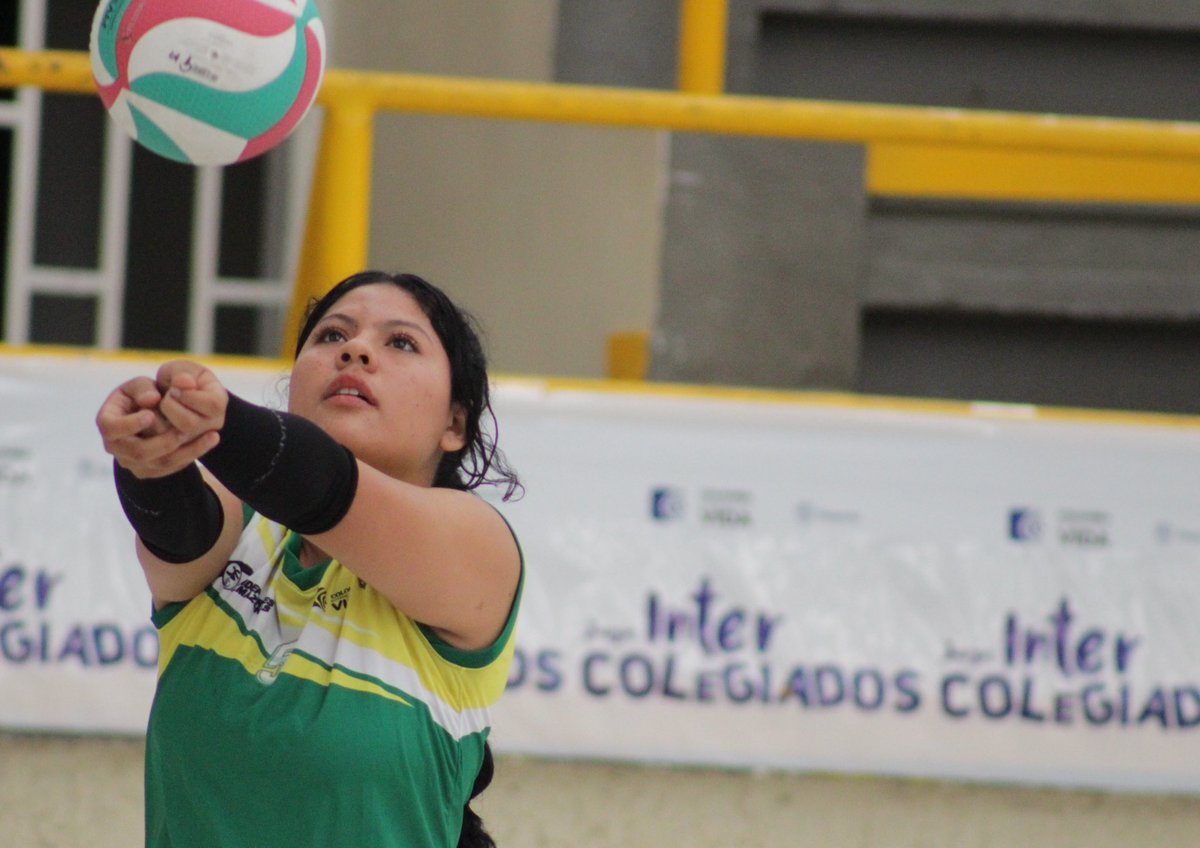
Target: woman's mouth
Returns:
[[347, 390]]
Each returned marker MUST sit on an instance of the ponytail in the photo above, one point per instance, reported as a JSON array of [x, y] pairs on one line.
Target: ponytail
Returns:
[[473, 835]]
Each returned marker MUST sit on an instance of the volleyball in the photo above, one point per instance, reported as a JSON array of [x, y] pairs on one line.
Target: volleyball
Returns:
[[208, 82]]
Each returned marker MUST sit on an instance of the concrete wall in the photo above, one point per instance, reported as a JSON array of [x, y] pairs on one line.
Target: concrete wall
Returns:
[[59, 792], [778, 270], [550, 234]]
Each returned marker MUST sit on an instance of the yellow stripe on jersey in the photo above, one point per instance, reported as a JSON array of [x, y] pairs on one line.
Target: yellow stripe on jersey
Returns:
[[372, 624], [208, 626], [303, 667], [327, 627]]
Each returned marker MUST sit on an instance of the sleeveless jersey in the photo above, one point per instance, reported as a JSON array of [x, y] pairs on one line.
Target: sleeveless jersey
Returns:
[[298, 707]]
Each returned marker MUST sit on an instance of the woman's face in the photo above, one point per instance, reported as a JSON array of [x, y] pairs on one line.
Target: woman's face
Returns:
[[374, 375]]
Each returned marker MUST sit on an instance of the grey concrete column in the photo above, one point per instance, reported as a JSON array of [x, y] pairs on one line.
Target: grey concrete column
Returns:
[[762, 264], [618, 42]]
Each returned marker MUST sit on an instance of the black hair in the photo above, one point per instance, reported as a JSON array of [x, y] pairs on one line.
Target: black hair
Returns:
[[472, 834], [479, 461]]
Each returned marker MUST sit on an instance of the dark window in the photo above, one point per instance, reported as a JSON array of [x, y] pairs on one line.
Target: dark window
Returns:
[[241, 241], [63, 320], [70, 180], [1135, 365], [159, 252], [236, 330]]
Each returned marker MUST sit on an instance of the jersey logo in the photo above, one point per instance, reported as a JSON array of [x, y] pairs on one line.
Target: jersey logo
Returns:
[[339, 600], [236, 580], [269, 673]]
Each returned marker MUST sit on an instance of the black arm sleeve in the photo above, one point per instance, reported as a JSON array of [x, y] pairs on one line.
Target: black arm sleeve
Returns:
[[284, 466], [178, 517]]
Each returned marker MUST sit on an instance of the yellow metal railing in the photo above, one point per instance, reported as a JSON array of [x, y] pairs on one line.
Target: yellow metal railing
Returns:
[[703, 39], [911, 151]]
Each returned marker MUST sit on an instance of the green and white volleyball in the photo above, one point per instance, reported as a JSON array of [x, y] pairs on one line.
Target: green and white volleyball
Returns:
[[208, 82]]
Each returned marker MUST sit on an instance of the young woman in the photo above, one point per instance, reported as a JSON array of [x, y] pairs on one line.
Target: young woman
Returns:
[[335, 608]]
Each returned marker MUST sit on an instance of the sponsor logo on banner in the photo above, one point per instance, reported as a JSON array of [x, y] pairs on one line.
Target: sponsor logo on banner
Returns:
[[666, 504], [1076, 528], [1084, 528], [1168, 534], [810, 514], [1025, 525], [714, 507], [15, 465], [727, 508], [90, 468]]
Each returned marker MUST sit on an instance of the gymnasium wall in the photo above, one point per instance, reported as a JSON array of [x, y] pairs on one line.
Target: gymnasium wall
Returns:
[[752, 261], [550, 234], [779, 269]]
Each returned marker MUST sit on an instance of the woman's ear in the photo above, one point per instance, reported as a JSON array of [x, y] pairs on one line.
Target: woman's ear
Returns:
[[455, 436]]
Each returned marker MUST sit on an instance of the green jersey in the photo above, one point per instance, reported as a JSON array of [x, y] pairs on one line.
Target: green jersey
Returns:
[[296, 706]]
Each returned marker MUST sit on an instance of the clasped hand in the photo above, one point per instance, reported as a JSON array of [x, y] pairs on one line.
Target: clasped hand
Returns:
[[157, 427]]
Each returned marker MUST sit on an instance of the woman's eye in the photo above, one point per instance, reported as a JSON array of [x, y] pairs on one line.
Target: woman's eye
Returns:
[[330, 334], [403, 342]]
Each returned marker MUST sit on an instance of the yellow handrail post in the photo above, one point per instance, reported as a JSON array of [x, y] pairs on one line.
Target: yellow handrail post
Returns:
[[702, 42], [337, 229]]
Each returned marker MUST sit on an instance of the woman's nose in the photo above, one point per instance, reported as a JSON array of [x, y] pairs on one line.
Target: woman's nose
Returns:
[[354, 351]]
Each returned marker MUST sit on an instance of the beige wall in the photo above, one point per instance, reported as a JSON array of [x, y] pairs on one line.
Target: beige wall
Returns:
[[549, 234], [60, 792]]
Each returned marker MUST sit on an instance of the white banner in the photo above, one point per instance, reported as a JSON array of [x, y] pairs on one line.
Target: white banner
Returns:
[[763, 581]]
